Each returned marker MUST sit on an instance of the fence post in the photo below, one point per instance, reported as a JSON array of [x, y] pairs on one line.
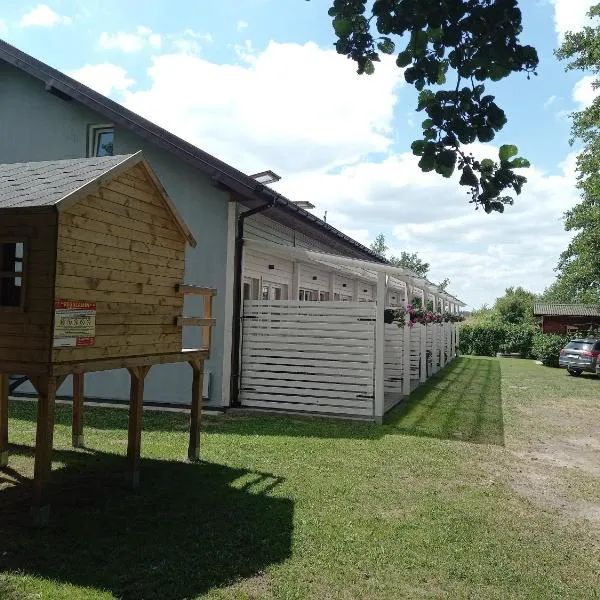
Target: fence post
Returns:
[[406, 360], [434, 349], [379, 406], [423, 354]]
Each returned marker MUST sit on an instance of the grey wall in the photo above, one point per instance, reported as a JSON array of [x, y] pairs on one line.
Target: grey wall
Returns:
[[34, 125]]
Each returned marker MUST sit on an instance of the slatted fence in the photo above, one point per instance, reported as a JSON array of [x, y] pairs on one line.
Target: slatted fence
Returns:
[[309, 356]]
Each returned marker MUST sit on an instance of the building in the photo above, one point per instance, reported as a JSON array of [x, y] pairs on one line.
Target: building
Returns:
[[567, 318], [48, 116]]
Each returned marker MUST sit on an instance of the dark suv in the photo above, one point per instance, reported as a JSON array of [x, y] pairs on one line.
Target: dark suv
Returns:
[[579, 355]]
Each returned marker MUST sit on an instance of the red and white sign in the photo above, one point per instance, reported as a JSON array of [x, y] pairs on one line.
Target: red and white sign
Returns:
[[74, 324]]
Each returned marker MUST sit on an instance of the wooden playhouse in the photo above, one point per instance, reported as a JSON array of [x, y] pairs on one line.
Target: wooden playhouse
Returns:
[[92, 262]]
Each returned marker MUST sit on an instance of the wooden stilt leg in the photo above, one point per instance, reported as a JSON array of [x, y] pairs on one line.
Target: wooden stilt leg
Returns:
[[134, 440], [196, 412], [78, 392], [46, 387], [3, 420]]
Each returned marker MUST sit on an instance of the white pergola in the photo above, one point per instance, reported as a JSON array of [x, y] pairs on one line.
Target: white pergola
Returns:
[[383, 274]]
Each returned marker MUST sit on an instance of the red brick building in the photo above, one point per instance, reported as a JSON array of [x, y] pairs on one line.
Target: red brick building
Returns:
[[568, 318]]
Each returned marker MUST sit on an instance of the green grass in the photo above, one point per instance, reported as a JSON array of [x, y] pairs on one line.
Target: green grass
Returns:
[[434, 504]]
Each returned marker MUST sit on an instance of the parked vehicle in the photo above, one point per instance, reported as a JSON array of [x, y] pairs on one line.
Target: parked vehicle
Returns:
[[579, 355]]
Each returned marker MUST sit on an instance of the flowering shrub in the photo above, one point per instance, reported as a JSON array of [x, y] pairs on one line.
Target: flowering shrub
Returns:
[[418, 315]]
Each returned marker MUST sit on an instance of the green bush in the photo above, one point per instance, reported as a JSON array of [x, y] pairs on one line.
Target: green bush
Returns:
[[518, 339], [489, 339], [546, 347], [481, 340]]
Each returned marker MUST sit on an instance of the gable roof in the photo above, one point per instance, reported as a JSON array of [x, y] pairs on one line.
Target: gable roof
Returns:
[[567, 310], [223, 174], [60, 183]]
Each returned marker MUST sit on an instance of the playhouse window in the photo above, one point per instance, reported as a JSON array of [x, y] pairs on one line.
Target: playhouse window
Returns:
[[12, 257], [100, 140]]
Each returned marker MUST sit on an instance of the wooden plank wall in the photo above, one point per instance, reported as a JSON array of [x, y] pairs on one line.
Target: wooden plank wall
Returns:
[[25, 336], [121, 248], [309, 356], [393, 357]]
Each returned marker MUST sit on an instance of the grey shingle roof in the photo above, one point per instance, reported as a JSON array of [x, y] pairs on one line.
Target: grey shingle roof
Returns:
[[46, 183], [567, 310]]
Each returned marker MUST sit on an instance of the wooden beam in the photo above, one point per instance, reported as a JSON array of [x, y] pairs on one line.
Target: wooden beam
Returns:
[[196, 290], [134, 436], [77, 425], [207, 314], [194, 322], [3, 420], [196, 412], [46, 387]]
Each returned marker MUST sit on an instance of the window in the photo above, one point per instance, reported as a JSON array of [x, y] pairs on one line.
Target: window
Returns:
[[12, 274], [100, 140], [323, 296], [251, 287], [308, 295]]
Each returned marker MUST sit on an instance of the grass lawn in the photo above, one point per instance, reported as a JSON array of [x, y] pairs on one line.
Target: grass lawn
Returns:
[[485, 484]]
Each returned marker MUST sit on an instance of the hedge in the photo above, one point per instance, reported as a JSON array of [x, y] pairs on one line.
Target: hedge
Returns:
[[488, 340]]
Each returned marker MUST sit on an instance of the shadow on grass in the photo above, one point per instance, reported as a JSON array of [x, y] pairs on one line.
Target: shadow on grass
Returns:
[[462, 403], [189, 528]]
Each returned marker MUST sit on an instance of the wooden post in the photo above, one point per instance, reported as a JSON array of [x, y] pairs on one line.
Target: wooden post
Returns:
[[406, 360], [207, 302], [46, 387], [423, 353], [434, 348], [196, 412], [77, 426], [379, 404], [3, 420], [134, 437]]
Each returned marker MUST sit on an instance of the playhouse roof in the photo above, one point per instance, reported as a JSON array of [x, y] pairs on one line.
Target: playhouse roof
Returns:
[[59, 183], [567, 310]]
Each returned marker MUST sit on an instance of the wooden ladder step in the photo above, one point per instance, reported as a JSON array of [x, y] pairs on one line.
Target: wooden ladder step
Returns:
[[196, 290], [195, 322]]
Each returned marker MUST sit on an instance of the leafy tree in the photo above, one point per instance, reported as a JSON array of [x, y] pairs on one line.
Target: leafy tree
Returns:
[[472, 41], [412, 262], [444, 285], [579, 265], [379, 246], [515, 307]]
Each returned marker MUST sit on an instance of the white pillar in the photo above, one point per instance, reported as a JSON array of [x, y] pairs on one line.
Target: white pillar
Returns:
[[295, 281], [379, 407], [406, 360], [423, 355], [434, 348]]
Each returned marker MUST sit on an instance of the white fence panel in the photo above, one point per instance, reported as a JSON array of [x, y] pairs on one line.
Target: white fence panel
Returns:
[[393, 360], [309, 356]]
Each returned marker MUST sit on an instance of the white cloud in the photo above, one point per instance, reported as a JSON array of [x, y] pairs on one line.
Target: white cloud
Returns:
[[584, 92], [550, 101], [570, 15], [131, 42], [481, 254], [105, 78], [241, 25], [290, 107], [190, 41], [43, 16]]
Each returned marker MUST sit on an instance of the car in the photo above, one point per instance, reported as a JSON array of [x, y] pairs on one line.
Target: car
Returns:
[[579, 355]]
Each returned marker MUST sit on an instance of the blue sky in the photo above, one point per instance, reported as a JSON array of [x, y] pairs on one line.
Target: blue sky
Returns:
[[256, 83]]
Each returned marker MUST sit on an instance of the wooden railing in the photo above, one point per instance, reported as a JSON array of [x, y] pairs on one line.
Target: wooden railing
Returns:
[[206, 321]]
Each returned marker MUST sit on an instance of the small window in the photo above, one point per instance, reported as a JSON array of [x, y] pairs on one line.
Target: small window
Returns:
[[100, 140], [323, 296], [251, 288], [12, 274]]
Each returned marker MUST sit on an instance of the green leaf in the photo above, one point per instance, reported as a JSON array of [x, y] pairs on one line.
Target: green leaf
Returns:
[[487, 165], [426, 98], [485, 134], [386, 46], [519, 163], [507, 151], [342, 27], [427, 123], [404, 59], [333, 11], [418, 146], [427, 163], [468, 177], [369, 67]]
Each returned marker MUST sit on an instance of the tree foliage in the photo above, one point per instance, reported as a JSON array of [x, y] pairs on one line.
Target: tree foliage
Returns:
[[579, 265], [379, 246], [516, 306], [412, 262], [450, 49]]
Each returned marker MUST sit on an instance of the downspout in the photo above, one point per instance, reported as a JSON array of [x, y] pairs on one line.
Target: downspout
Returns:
[[236, 330]]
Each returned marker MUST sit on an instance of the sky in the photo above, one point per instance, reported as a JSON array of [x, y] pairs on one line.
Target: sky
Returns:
[[258, 84]]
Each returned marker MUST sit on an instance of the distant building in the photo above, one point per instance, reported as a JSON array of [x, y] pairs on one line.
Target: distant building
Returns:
[[568, 318]]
